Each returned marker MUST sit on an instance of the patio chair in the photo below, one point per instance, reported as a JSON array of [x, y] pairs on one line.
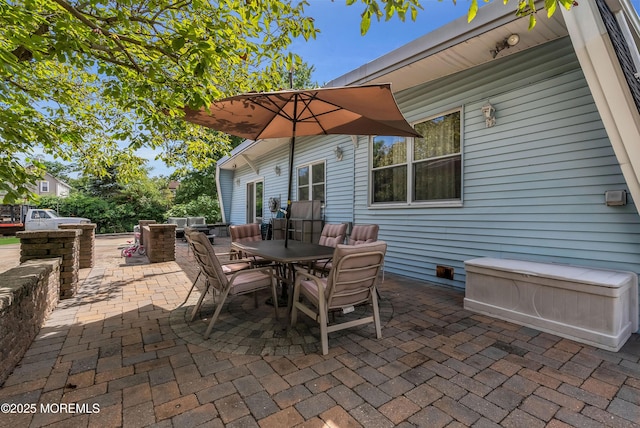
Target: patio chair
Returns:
[[331, 236], [246, 233], [352, 281], [363, 233], [228, 268], [181, 223], [196, 221], [237, 283]]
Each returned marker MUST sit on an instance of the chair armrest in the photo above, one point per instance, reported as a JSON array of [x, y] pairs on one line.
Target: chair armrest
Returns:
[[237, 261], [302, 273]]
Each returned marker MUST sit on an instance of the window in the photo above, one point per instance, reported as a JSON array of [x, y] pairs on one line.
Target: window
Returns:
[[255, 192], [311, 182], [419, 170], [389, 169], [437, 159], [44, 186]]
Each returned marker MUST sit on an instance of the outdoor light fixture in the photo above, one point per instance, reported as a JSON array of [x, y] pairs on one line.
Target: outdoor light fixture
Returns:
[[278, 170], [237, 181], [339, 153], [489, 113], [512, 40]]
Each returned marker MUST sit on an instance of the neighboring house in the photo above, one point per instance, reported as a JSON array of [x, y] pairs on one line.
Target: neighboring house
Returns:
[[51, 186], [173, 186], [526, 182]]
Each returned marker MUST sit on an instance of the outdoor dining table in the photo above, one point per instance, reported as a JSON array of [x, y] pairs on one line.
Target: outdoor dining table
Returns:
[[295, 252]]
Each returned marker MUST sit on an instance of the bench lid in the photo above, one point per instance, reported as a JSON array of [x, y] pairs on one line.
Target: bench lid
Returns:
[[582, 274]]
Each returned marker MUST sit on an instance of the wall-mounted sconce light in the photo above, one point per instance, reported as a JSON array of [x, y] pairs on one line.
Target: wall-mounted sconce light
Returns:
[[489, 113], [278, 171], [339, 153], [237, 181], [510, 41]]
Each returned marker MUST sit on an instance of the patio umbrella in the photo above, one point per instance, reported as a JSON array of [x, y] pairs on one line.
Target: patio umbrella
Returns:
[[349, 110]]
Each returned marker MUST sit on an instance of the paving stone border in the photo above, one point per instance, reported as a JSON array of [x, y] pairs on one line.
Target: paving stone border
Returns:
[[246, 330]]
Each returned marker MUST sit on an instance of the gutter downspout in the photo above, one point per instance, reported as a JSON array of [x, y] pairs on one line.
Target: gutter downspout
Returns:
[[609, 88]]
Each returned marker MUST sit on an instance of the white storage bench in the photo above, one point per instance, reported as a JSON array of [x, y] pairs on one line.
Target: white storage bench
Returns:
[[594, 306]]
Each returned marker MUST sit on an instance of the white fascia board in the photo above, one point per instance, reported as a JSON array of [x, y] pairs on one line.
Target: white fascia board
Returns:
[[608, 87]]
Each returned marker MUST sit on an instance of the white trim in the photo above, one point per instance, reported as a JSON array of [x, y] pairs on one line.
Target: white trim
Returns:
[[219, 190]]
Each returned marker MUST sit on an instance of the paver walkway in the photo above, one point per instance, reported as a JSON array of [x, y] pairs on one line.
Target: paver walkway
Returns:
[[122, 347]]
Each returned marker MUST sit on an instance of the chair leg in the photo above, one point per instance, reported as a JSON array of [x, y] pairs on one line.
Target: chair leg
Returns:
[[192, 287], [223, 297], [197, 306], [324, 334], [376, 314], [274, 296], [294, 305]]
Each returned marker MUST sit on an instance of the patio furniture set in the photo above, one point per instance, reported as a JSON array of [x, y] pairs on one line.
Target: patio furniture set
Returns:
[[200, 224], [326, 277]]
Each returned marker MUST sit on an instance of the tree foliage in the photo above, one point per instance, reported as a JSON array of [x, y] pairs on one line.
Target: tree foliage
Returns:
[[115, 208], [94, 81], [387, 9], [202, 206]]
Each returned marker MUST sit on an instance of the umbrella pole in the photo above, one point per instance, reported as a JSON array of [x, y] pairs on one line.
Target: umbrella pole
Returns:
[[288, 213], [291, 149]]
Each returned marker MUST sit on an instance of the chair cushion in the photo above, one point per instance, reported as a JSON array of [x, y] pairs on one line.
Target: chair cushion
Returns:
[[310, 290], [363, 234], [245, 232], [333, 234], [249, 280], [354, 272]]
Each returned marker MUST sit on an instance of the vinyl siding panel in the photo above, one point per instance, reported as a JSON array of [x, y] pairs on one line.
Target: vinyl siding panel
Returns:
[[339, 177], [533, 185]]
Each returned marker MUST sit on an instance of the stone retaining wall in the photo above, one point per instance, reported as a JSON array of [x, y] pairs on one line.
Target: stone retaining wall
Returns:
[[46, 244], [160, 242], [28, 294], [87, 243]]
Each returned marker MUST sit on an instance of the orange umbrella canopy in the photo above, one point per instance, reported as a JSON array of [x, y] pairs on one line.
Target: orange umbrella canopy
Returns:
[[350, 110]]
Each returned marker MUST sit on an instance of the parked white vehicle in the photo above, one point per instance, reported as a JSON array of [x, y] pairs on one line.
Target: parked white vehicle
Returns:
[[46, 219]]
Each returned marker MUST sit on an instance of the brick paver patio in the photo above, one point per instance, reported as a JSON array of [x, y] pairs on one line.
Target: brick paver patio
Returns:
[[122, 353]]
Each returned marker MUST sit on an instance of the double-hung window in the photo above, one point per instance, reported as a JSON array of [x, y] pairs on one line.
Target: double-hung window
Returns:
[[44, 187], [419, 170], [311, 182]]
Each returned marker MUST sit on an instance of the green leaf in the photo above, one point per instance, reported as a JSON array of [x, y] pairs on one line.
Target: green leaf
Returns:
[[365, 23], [178, 43], [473, 10]]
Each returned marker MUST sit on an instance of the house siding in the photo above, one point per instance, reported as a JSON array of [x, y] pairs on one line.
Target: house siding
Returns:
[[338, 185], [533, 185]]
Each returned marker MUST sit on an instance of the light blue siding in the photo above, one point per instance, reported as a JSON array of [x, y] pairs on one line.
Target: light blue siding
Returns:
[[338, 185], [533, 185]]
